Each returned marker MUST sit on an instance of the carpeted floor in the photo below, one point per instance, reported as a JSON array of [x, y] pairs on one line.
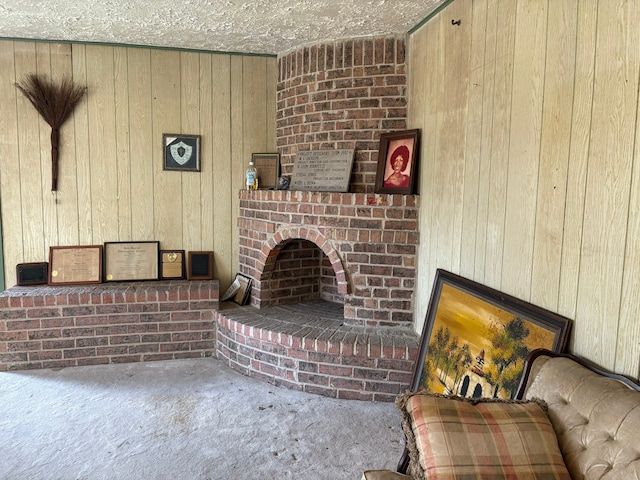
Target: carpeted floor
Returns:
[[184, 419]]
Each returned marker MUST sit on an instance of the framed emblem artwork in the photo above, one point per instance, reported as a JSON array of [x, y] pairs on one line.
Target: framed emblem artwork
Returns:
[[181, 152]]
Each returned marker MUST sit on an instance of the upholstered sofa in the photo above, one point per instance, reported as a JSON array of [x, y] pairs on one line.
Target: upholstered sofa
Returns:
[[572, 420]]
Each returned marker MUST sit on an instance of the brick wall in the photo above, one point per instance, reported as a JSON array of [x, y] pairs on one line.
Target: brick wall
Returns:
[[369, 240], [341, 95], [64, 326]]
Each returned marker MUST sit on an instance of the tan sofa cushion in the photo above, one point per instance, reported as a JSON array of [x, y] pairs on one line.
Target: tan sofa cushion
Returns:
[[597, 420], [456, 438]]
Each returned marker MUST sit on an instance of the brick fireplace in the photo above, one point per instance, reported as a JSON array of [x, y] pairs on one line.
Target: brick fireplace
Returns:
[[333, 291], [357, 249], [333, 273]]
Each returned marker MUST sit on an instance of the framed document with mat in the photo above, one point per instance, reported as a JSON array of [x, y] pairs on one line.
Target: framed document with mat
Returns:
[[126, 261], [75, 265]]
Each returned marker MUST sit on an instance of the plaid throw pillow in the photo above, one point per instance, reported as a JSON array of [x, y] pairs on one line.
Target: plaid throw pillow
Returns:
[[451, 438]]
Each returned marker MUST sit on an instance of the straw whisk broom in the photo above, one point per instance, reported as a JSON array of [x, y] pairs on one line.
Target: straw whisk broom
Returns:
[[54, 103]]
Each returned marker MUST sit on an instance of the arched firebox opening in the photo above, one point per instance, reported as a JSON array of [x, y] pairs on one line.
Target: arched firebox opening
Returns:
[[299, 265], [300, 273]]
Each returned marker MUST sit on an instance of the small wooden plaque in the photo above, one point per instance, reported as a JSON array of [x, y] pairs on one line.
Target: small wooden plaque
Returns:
[[32, 273], [172, 264], [200, 266]]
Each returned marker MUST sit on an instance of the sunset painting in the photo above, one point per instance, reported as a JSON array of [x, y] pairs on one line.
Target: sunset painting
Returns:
[[478, 341]]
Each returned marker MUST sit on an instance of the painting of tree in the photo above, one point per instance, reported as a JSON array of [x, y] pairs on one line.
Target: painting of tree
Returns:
[[475, 339]]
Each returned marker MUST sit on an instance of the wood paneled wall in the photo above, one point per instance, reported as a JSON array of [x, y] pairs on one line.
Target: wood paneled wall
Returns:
[[112, 186], [530, 164]]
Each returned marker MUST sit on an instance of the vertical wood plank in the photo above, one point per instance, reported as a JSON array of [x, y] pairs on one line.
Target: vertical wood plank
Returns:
[[456, 81], [608, 180], [587, 15], [500, 128], [473, 149], [102, 143], [486, 138], [123, 156], [554, 153], [143, 143], [429, 89], [207, 157], [190, 101], [165, 71], [524, 147], [224, 190], [83, 153], [239, 159], [30, 178], [10, 206]]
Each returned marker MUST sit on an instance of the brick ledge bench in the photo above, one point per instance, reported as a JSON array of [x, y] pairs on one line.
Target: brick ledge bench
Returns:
[[71, 325], [307, 347]]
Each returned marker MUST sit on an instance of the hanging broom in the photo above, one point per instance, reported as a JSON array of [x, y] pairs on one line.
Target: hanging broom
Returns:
[[54, 103]]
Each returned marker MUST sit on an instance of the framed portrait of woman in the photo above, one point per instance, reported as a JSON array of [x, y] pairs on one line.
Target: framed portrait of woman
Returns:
[[397, 162]]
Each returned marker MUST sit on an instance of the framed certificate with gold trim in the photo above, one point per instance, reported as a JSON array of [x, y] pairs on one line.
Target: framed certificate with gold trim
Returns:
[[75, 265], [126, 261]]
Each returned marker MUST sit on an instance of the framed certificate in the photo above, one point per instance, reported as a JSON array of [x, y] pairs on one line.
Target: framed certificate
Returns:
[[126, 261], [75, 265]]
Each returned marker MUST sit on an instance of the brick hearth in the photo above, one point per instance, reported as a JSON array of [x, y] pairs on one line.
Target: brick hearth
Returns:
[[308, 347]]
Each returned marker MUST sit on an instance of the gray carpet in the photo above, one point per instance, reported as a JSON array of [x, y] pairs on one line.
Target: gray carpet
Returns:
[[184, 419]]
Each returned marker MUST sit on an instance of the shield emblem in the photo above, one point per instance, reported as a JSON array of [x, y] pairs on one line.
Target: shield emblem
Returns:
[[181, 152]]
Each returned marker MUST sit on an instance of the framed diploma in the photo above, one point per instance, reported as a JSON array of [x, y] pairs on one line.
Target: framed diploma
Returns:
[[75, 265], [128, 261], [172, 264]]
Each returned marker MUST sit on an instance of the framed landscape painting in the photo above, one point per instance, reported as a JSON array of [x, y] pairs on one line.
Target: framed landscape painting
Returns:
[[475, 339]]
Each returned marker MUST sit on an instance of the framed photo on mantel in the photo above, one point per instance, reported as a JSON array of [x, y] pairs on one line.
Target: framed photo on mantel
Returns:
[[397, 162]]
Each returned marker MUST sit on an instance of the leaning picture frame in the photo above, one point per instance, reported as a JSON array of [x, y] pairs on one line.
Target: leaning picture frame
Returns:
[[476, 339], [397, 162], [267, 169], [239, 291], [181, 152]]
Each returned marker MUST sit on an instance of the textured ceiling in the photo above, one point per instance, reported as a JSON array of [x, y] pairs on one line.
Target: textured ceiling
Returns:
[[259, 26]]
